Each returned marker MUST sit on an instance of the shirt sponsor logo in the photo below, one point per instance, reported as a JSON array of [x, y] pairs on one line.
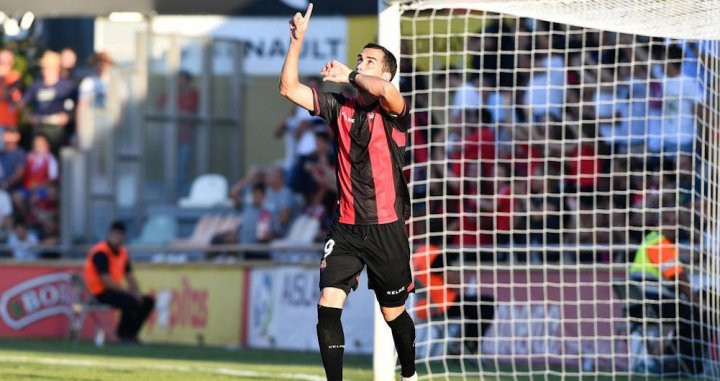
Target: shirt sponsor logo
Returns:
[[348, 119]]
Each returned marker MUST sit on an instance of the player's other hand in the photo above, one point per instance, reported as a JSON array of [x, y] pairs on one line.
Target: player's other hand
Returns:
[[299, 24], [336, 72]]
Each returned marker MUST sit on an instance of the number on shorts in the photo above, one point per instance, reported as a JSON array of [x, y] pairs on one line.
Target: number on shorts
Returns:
[[329, 247]]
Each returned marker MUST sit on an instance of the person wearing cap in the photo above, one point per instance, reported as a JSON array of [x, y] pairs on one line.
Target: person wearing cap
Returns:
[[109, 278], [50, 102]]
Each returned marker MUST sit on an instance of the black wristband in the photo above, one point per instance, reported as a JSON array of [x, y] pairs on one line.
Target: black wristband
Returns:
[[351, 77]]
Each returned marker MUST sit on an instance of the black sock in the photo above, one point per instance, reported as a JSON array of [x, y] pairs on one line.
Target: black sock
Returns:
[[332, 341], [403, 331]]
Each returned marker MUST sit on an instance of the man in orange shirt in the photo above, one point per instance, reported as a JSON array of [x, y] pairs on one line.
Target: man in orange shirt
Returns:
[[109, 277]]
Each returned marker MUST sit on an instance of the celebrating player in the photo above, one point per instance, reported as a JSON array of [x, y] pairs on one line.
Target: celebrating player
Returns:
[[369, 226]]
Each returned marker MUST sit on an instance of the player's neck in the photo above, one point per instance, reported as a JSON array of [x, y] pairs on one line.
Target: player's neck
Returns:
[[366, 99]]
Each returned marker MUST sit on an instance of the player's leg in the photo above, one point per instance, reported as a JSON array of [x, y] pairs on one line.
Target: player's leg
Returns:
[[403, 331], [339, 270], [331, 337], [387, 254]]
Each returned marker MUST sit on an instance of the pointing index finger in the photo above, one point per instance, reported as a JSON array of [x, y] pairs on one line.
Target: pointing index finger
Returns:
[[309, 11]]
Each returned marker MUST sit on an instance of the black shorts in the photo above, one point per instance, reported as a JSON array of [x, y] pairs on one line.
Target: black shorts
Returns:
[[384, 249]]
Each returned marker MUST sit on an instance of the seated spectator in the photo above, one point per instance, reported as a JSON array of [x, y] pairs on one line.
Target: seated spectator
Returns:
[[110, 279], [50, 102], [12, 161], [41, 168], [10, 90], [241, 191], [298, 130], [682, 96], [545, 221], [256, 222], [279, 200], [6, 214], [44, 211], [317, 169], [22, 241]]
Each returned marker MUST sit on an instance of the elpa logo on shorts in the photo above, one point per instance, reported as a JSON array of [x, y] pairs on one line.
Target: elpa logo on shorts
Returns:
[[36, 299]]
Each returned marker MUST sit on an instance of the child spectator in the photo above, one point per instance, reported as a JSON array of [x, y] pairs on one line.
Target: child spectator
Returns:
[[41, 168], [21, 241]]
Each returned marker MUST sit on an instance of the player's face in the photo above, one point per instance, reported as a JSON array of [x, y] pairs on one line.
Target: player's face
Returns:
[[370, 62]]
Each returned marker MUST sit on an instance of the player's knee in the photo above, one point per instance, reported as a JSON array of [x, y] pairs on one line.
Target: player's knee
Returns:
[[332, 297], [391, 313]]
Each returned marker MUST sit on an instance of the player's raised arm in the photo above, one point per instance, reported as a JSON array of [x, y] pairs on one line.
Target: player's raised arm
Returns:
[[379, 86], [290, 86]]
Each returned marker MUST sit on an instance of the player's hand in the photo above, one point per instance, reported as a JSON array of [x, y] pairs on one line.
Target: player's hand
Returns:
[[299, 24], [335, 72]]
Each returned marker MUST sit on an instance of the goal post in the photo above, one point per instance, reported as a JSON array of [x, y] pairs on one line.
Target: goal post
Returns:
[[552, 142]]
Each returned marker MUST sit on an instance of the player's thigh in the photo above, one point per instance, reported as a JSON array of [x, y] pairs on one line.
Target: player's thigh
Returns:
[[340, 266], [387, 257]]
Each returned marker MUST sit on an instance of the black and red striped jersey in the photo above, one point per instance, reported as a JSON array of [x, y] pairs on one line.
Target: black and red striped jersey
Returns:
[[370, 150]]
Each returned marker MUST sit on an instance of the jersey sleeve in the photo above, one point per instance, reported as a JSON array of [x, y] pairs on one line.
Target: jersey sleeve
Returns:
[[400, 121], [327, 106]]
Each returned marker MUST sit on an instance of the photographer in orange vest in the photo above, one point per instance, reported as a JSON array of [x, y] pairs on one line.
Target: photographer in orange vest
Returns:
[[666, 287], [109, 278], [443, 299]]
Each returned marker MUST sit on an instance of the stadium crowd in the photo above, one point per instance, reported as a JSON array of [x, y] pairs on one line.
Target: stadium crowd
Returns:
[[39, 116], [553, 136], [557, 136]]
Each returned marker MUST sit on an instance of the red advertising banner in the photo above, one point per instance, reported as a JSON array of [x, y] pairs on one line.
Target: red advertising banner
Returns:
[[36, 301]]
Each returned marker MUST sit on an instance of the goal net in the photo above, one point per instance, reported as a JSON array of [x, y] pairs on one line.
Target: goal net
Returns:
[[564, 176]]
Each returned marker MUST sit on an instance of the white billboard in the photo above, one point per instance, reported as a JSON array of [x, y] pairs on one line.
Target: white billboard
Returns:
[[266, 39], [283, 311]]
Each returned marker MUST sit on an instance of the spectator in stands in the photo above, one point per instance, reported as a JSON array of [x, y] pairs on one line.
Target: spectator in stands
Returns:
[[545, 95], [6, 214], [241, 190], [316, 169], [50, 102], [256, 219], [682, 96], [41, 168], [584, 164], [68, 62], [298, 130], [22, 241], [12, 161], [466, 95], [188, 107], [10, 90], [279, 200], [110, 278], [545, 208]]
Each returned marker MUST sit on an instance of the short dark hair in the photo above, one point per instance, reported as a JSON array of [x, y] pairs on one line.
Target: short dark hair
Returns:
[[389, 62], [118, 226], [258, 187]]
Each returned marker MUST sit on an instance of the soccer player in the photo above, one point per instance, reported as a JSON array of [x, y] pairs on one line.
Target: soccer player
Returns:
[[369, 226]]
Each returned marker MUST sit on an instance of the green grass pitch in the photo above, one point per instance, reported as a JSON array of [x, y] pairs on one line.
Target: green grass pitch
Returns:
[[41, 360]]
